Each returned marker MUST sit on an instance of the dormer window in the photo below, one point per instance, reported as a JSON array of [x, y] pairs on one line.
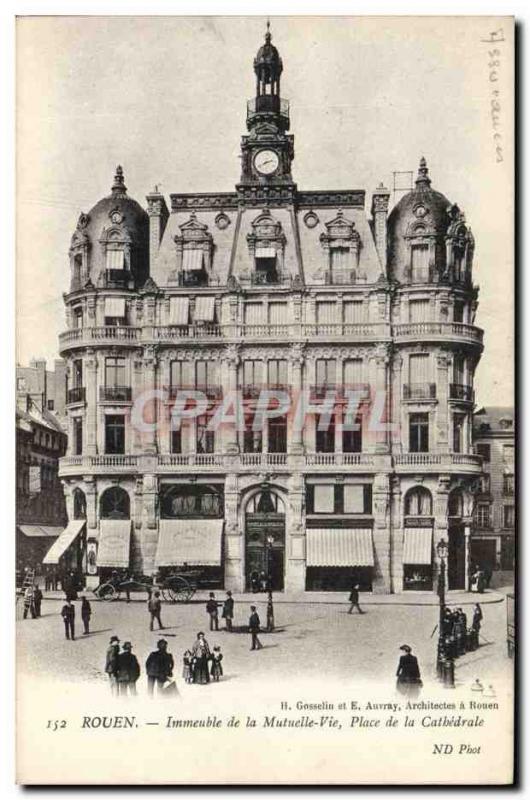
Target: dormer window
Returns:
[[341, 243], [194, 248], [266, 266], [115, 311], [420, 263], [266, 246], [115, 260]]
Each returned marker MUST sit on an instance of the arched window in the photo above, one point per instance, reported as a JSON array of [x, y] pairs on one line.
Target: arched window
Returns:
[[79, 504], [418, 502], [455, 505], [115, 504]]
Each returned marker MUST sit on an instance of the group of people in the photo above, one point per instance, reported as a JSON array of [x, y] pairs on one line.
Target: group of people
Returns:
[[259, 582], [32, 601], [68, 615], [480, 579], [254, 622], [456, 635], [199, 665]]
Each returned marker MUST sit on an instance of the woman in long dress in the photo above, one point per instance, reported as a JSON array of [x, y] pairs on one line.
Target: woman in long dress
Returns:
[[201, 656]]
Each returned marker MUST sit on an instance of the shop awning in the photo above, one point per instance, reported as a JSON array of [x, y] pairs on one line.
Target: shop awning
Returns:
[[196, 542], [339, 547], [179, 310], [66, 538], [49, 531], [417, 546], [114, 542], [114, 306], [192, 260], [204, 309]]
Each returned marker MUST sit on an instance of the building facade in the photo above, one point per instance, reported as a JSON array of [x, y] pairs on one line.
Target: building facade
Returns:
[[493, 543], [309, 294]]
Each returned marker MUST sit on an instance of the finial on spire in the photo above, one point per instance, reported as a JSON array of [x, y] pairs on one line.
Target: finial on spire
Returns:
[[423, 174], [268, 35], [118, 187]]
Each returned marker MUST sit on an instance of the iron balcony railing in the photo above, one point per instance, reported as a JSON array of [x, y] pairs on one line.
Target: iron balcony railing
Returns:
[[76, 395], [459, 391], [119, 394], [419, 391]]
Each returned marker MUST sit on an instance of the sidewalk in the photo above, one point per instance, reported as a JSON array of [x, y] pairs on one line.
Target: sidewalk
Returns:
[[453, 598]]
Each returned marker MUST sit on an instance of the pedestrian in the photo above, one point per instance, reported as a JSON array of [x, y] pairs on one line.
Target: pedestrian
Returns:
[[408, 673], [228, 610], [159, 667], [68, 615], [200, 656], [111, 663], [270, 613], [477, 618], [217, 667], [47, 579], [29, 604], [70, 588], [354, 600], [213, 612], [128, 670], [154, 605], [254, 629], [186, 667], [37, 600], [86, 613]]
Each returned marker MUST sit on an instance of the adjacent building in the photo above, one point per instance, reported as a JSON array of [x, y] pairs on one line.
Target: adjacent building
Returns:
[[311, 293], [493, 543]]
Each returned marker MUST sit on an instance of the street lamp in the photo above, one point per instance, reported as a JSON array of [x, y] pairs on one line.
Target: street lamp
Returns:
[[270, 542], [442, 550]]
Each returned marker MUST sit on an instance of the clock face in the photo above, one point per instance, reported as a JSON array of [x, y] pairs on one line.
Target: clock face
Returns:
[[266, 162]]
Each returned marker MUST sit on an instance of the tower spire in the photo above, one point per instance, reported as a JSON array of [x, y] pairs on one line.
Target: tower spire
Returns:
[[423, 180], [118, 187]]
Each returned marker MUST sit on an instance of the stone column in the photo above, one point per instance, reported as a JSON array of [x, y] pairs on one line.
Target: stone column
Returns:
[[149, 538], [231, 360], [441, 444], [234, 551], [91, 505], [381, 359], [136, 540], [137, 387], [382, 583], [296, 361], [90, 370], [295, 549], [150, 384]]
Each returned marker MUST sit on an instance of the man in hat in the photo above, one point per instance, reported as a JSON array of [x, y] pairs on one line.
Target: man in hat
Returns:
[[354, 600], [408, 673], [128, 670], [228, 610], [111, 663], [86, 613], [154, 606], [68, 615], [37, 600], [254, 628], [29, 602], [159, 667], [213, 612]]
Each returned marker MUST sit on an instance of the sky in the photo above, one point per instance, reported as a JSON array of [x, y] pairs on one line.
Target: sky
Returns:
[[166, 98]]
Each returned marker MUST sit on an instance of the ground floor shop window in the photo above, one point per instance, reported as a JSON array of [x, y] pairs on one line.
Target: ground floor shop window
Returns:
[[338, 579], [507, 553], [417, 577]]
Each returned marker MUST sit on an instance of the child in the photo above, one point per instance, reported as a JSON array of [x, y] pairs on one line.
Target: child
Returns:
[[217, 668], [187, 672]]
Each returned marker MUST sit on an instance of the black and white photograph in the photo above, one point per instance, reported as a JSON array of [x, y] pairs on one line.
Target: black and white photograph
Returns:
[[265, 413]]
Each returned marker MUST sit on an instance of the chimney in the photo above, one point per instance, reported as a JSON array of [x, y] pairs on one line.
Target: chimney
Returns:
[[158, 217], [380, 200]]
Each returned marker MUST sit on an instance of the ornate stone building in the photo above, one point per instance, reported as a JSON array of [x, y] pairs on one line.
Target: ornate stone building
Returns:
[[303, 292]]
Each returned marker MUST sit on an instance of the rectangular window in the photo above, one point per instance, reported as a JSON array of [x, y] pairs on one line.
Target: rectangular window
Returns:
[[115, 259], [352, 440], [115, 372], [176, 441], [255, 314], [483, 515], [507, 484], [459, 364], [508, 453], [483, 450], [485, 484], [277, 430], [77, 373], [252, 373], [325, 439], [278, 314], [419, 433], [419, 369], [340, 259], [458, 311], [277, 370], [115, 433], [324, 498], [325, 372], [192, 260], [509, 516], [419, 310], [205, 438], [177, 374], [77, 436], [458, 432], [327, 313], [354, 500], [353, 373], [50, 405], [205, 374], [77, 317], [265, 260], [420, 263], [252, 440], [353, 311]]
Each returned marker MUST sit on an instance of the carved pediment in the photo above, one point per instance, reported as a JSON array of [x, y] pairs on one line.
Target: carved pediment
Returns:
[[193, 230], [340, 229], [266, 227]]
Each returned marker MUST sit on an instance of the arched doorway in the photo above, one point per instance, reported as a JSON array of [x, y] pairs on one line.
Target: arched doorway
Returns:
[[115, 504], [265, 541]]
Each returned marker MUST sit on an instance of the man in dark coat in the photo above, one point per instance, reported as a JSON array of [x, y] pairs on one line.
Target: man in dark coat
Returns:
[[68, 615], [111, 663], [86, 613], [128, 670], [354, 600], [228, 610], [408, 673], [213, 612], [159, 667], [254, 628], [477, 618], [154, 605], [37, 600]]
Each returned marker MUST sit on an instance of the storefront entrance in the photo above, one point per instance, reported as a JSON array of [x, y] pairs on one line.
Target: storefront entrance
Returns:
[[265, 543], [483, 553], [456, 562]]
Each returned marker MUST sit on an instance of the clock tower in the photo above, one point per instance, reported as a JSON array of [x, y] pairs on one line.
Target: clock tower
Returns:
[[267, 151]]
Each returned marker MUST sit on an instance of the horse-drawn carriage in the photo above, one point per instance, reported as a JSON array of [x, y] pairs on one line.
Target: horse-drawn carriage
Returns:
[[175, 587]]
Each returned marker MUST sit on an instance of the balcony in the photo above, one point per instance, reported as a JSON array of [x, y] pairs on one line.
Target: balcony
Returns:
[[77, 465], [107, 334], [268, 104], [339, 277], [419, 391], [115, 394], [269, 278], [197, 278], [171, 333], [76, 395], [434, 462], [458, 391], [438, 331], [118, 279], [353, 331]]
